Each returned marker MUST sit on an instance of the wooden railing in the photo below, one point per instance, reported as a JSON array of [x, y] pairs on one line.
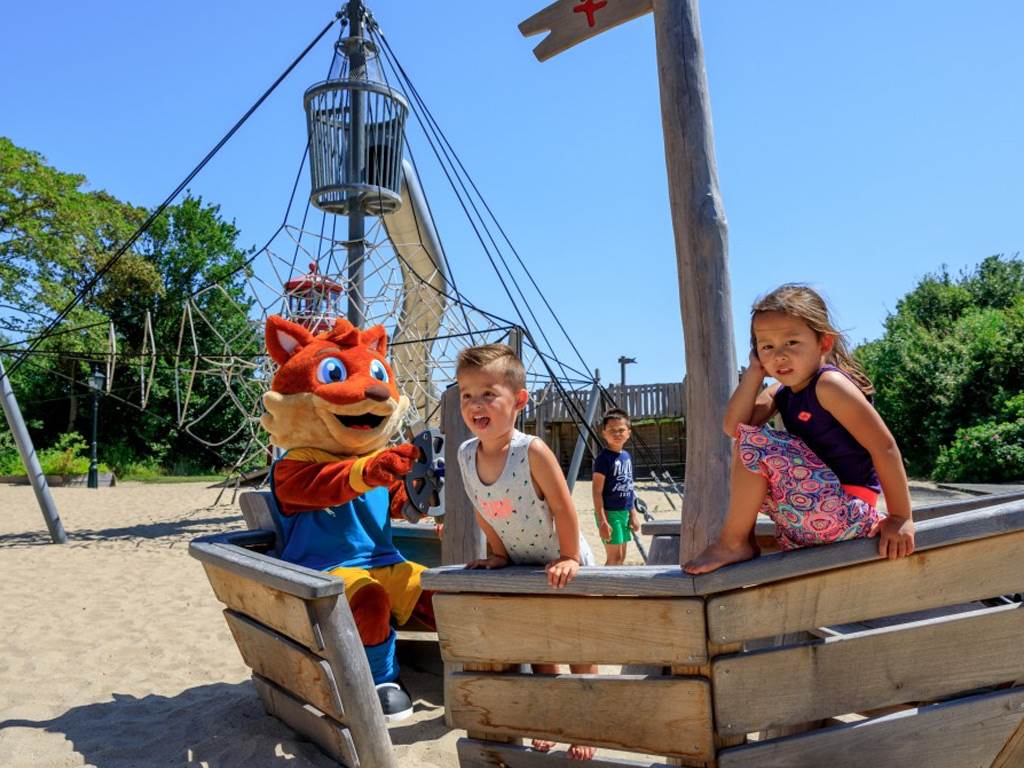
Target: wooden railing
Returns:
[[641, 401], [834, 657]]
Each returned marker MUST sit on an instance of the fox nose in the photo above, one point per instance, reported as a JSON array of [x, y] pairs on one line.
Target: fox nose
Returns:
[[377, 392]]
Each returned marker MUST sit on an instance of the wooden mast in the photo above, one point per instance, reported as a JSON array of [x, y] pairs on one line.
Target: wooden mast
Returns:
[[699, 226]]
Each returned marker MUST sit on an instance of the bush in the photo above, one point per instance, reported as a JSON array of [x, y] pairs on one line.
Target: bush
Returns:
[[991, 452]]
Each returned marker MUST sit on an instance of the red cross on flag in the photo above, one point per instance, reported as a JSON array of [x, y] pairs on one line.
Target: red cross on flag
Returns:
[[573, 21]]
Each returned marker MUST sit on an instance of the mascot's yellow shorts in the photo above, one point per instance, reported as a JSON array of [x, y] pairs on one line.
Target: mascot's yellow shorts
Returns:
[[401, 581]]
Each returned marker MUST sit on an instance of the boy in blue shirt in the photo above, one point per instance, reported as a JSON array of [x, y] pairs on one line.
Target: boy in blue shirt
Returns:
[[613, 487]]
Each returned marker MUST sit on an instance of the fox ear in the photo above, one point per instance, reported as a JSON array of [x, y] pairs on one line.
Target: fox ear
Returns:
[[285, 338], [376, 339]]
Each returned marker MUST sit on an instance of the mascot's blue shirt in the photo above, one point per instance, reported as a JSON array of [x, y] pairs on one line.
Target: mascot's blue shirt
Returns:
[[356, 534]]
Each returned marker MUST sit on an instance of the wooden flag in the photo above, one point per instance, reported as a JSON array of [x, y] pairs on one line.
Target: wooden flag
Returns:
[[573, 21]]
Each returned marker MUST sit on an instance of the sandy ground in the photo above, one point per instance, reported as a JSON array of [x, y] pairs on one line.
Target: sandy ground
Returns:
[[114, 652]]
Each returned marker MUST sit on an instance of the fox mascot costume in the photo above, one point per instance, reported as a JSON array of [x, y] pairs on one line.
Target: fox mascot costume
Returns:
[[332, 407]]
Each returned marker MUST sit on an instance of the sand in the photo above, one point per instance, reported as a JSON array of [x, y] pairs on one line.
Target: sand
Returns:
[[114, 652]]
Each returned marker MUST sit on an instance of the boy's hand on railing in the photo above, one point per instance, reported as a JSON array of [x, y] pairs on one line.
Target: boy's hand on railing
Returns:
[[895, 537], [562, 571], [489, 562]]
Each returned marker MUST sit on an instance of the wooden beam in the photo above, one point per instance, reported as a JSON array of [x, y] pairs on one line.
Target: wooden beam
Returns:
[[286, 613], [913, 662], [964, 732], [332, 737], [661, 716], [220, 550], [275, 657], [623, 581], [1012, 753], [946, 576], [931, 534], [570, 630], [569, 22], [701, 238], [462, 540]]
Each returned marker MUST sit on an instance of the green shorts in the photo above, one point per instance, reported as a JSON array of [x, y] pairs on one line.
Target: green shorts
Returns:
[[618, 521]]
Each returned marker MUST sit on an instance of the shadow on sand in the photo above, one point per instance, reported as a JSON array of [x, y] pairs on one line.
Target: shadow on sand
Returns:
[[222, 725]]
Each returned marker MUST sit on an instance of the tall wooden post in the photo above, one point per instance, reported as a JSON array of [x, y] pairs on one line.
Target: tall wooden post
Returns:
[[698, 221], [462, 539]]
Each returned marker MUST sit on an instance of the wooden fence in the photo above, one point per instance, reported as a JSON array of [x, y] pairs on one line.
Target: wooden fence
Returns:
[[821, 657], [641, 401]]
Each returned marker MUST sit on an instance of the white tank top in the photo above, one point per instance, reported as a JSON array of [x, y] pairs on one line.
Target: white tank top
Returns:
[[512, 507]]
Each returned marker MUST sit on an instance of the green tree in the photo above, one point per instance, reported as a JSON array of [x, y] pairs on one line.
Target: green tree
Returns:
[[54, 236], [951, 357]]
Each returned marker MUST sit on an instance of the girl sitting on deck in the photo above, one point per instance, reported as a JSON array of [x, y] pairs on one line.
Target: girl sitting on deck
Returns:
[[819, 481]]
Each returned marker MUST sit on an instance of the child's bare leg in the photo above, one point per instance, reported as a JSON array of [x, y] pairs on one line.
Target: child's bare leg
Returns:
[[736, 541], [582, 751], [543, 745], [614, 554]]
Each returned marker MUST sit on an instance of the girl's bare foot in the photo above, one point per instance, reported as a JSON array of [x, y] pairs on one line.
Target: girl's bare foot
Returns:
[[718, 554], [540, 745], [581, 752]]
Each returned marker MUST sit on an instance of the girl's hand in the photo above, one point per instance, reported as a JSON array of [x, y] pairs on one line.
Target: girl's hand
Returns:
[[490, 562], [754, 367], [604, 530], [562, 571], [896, 537]]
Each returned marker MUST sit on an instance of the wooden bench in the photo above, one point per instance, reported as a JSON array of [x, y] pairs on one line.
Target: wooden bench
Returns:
[[944, 692], [295, 631]]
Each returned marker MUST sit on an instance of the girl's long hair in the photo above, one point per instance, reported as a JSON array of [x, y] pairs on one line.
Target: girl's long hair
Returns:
[[804, 302]]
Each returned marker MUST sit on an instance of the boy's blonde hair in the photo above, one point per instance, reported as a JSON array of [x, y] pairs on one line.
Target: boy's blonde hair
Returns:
[[803, 302], [500, 358]]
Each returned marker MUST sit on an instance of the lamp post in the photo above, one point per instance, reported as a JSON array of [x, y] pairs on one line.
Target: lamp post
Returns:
[[96, 382], [623, 362]]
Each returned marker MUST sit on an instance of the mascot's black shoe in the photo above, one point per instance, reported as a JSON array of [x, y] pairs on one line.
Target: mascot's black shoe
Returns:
[[394, 700]]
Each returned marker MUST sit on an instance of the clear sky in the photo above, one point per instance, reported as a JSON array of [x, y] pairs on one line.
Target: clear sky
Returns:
[[860, 145]]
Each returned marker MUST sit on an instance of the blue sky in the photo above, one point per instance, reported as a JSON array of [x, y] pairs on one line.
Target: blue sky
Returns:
[[860, 146]]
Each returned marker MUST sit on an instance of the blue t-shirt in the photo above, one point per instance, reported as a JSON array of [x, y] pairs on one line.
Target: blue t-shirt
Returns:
[[356, 534], [617, 469]]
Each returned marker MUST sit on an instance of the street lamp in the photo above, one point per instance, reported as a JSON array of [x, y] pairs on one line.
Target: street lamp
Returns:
[[623, 362], [96, 382]]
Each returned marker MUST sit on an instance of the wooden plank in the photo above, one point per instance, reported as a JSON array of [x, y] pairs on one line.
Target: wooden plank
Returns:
[[913, 662], [474, 753], [463, 540], [640, 581], [966, 733], [257, 511], [288, 664], [332, 737], [220, 550], [661, 716], [570, 630], [1012, 753], [939, 577], [931, 534], [288, 614]]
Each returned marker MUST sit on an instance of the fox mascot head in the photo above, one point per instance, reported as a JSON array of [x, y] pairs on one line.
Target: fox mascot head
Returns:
[[334, 391]]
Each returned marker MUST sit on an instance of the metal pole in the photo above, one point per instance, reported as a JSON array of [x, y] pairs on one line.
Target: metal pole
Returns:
[[357, 150], [94, 475], [581, 442], [30, 460]]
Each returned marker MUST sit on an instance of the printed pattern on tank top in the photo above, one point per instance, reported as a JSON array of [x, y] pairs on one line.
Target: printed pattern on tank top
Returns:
[[511, 506]]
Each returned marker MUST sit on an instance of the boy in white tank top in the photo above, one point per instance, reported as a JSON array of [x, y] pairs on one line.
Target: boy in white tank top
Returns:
[[522, 502]]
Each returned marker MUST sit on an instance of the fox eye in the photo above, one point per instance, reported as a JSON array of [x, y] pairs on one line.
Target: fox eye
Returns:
[[378, 371], [331, 370]]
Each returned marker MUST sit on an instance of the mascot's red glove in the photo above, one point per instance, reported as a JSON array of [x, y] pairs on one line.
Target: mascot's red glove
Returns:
[[390, 465]]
